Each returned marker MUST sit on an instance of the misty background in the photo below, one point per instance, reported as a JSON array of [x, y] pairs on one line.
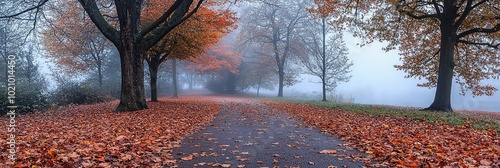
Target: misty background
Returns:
[[374, 80]]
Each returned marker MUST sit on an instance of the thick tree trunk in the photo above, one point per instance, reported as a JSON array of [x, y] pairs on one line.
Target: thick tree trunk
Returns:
[[132, 91], [442, 99], [174, 76], [132, 64], [281, 76]]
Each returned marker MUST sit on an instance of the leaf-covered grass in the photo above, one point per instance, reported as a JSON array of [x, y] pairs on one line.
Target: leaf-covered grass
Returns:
[[450, 118], [403, 137]]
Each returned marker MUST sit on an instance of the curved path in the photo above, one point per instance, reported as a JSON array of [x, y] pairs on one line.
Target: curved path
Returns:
[[248, 134]]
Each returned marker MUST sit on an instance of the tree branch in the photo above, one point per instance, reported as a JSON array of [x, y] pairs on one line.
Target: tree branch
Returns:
[[419, 16], [464, 15], [479, 30], [162, 19], [436, 7], [434, 56], [40, 4], [95, 15], [177, 18], [482, 44]]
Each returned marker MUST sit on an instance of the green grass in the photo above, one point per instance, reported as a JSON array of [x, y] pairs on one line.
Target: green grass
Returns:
[[449, 118]]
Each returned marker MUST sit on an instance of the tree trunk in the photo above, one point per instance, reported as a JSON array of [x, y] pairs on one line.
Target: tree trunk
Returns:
[[231, 83], [99, 73], [442, 99], [258, 86], [324, 90], [6, 70], [153, 77], [323, 69], [132, 64], [132, 91], [174, 76], [5, 54], [281, 76], [190, 76]]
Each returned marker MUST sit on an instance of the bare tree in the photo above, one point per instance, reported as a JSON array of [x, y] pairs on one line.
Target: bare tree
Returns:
[[274, 24], [326, 59]]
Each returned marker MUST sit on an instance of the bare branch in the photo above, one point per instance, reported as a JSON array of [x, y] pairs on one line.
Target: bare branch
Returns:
[[96, 16], [37, 7]]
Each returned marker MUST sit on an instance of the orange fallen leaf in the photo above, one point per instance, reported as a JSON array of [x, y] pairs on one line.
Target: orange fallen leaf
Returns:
[[100, 159], [189, 157], [52, 152], [411, 164]]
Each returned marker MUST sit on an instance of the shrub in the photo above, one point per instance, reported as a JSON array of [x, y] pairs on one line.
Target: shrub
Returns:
[[216, 86], [75, 93], [27, 99]]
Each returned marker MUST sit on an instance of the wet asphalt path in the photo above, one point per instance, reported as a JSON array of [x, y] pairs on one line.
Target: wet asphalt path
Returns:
[[248, 134]]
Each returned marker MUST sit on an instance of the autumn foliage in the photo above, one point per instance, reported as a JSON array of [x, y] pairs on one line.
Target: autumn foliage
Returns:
[[216, 58], [440, 41], [413, 27], [191, 38], [73, 42]]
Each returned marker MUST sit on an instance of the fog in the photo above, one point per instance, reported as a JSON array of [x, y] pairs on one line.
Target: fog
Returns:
[[376, 81]]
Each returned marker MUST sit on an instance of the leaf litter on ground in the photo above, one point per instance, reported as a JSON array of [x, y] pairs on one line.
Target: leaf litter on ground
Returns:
[[94, 136], [401, 141]]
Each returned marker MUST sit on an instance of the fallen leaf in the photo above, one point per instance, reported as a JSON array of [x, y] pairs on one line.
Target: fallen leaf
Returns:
[[189, 157], [485, 162], [119, 138], [328, 152]]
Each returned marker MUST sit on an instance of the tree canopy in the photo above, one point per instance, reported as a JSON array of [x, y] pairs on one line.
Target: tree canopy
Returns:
[[438, 40]]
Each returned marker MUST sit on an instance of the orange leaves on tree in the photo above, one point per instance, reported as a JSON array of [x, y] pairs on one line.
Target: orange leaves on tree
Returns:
[[417, 30], [73, 42], [191, 38], [216, 58]]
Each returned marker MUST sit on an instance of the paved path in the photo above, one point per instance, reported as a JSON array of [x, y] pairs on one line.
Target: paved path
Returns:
[[248, 134]]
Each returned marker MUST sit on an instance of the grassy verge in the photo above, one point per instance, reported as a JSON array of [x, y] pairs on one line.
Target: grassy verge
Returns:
[[452, 118]]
